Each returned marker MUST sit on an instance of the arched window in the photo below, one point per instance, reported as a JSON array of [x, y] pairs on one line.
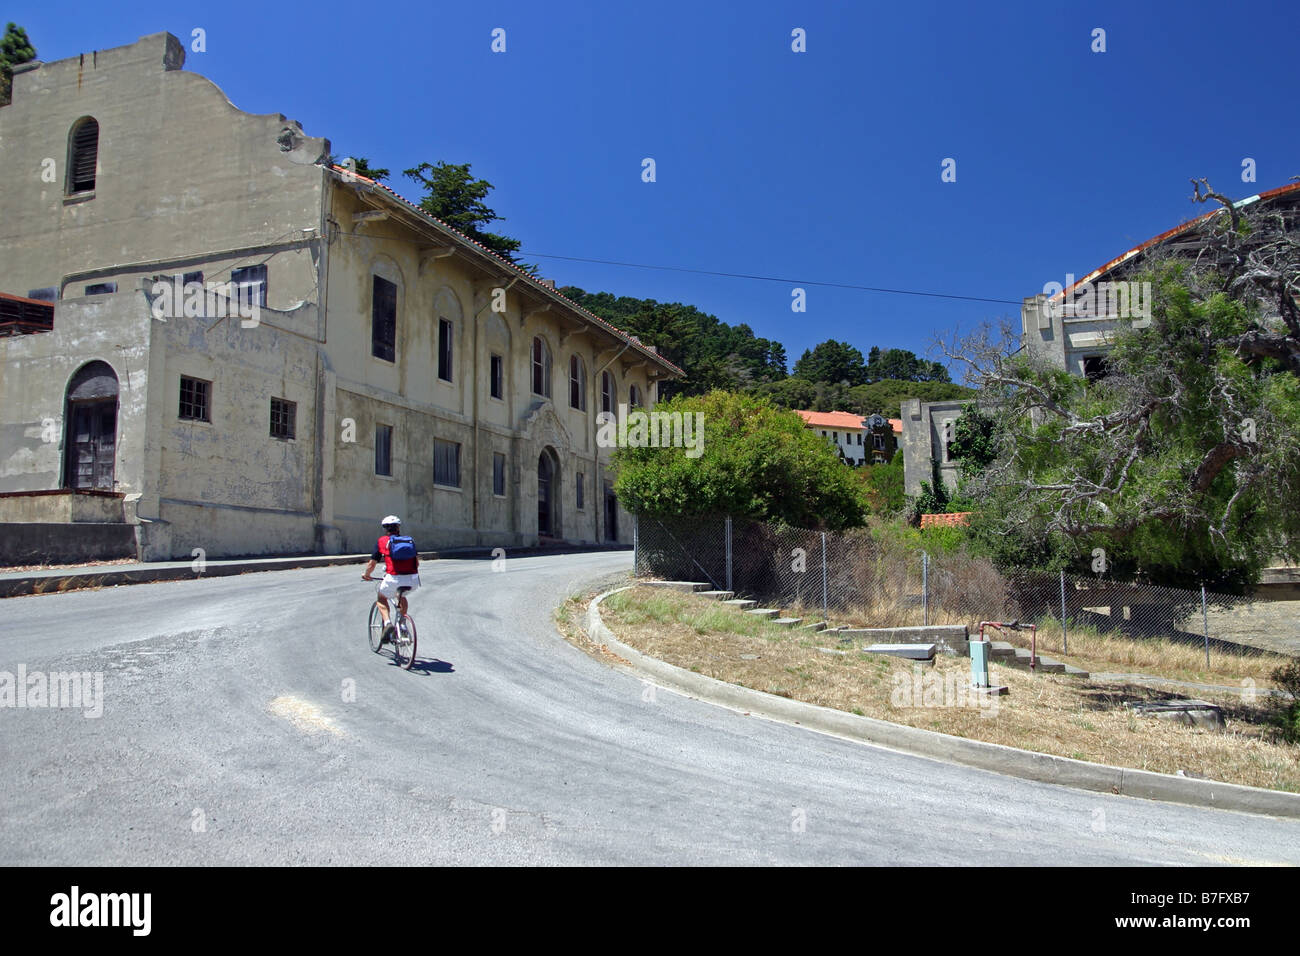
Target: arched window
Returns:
[[83, 155], [634, 396], [577, 384], [541, 367], [606, 392]]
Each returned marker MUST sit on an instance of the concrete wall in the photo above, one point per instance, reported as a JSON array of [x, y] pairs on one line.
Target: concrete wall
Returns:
[[22, 544], [924, 442], [183, 176], [35, 371]]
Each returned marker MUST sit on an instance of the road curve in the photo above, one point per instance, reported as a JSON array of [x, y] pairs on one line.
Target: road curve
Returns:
[[245, 721]]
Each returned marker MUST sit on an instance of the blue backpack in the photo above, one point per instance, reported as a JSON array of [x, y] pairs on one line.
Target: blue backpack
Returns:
[[402, 547]]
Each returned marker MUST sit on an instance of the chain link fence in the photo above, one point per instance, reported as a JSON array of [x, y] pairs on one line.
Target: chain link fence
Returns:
[[852, 578]]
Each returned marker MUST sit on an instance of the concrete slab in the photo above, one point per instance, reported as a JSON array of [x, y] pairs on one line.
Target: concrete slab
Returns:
[[914, 652], [1193, 713]]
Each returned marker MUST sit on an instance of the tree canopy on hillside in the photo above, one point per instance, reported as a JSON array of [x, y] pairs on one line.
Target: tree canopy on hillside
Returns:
[[712, 353]]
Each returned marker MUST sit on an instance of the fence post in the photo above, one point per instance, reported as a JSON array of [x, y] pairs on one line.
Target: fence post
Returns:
[[825, 605], [925, 589], [1205, 624], [729, 587], [1065, 638], [636, 544]]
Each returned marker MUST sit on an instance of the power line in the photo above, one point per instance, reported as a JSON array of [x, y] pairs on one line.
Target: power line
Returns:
[[742, 275]]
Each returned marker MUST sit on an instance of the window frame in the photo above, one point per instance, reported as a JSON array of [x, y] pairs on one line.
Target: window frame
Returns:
[[438, 445], [389, 342], [577, 383], [541, 366], [498, 474], [497, 377], [207, 400], [387, 431], [74, 160], [607, 392], [446, 350], [239, 280], [292, 420]]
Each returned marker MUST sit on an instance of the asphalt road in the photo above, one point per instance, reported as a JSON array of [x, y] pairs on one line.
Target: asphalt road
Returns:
[[245, 721]]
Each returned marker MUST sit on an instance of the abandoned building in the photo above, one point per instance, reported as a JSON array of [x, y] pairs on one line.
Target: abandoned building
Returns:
[[216, 339], [1069, 327]]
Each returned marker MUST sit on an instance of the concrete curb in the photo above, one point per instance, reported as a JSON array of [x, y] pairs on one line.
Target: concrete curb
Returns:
[[175, 571], [1044, 768]]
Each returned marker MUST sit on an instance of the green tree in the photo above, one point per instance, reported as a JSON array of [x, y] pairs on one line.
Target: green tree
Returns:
[[832, 362], [757, 462], [884, 483], [713, 354], [974, 443], [15, 48], [455, 197]]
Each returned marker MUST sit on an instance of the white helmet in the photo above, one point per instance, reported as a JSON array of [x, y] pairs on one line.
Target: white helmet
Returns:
[[391, 519]]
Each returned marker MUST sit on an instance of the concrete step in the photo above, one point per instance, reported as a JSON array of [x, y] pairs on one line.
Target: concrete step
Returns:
[[688, 586], [771, 613], [716, 595], [1072, 671], [741, 603], [788, 621], [815, 626], [1046, 665], [914, 652]]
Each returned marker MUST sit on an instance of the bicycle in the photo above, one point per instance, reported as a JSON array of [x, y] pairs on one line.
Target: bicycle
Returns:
[[401, 631]]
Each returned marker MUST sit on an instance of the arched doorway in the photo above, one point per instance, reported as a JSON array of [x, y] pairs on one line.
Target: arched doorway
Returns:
[[548, 486], [90, 428]]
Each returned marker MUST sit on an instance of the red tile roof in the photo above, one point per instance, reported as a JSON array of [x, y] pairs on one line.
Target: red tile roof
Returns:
[[1171, 233], [843, 420], [349, 176]]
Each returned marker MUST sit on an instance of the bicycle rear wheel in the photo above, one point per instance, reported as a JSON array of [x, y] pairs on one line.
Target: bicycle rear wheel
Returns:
[[404, 643], [376, 627]]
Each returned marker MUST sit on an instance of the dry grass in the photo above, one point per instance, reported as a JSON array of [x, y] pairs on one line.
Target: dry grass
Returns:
[[1083, 719]]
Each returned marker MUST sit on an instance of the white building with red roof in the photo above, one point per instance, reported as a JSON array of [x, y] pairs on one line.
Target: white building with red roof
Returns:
[[858, 440]]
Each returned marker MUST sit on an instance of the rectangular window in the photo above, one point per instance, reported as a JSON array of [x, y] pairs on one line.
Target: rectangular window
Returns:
[[384, 450], [249, 285], [878, 441], [284, 415], [383, 320], [499, 474], [445, 330], [446, 463], [189, 277], [196, 399], [101, 288], [582, 493], [498, 377], [48, 294]]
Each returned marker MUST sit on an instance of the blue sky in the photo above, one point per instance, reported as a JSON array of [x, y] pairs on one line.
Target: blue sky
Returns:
[[822, 166]]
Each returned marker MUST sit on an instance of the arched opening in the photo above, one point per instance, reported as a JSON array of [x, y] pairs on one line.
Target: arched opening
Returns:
[[83, 155], [548, 488], [90, 428]]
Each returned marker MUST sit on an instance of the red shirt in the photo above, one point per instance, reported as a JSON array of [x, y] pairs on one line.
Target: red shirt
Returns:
[[394, 567]]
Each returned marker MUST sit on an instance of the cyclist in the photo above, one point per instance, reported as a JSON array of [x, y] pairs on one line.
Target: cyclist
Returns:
[[401, 568]]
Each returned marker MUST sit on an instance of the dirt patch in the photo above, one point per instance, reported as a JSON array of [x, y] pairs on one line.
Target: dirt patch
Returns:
[[1085, 719]]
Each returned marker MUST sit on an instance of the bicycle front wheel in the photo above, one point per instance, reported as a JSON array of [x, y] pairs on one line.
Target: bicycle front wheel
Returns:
[[376, 627], [404, 643]]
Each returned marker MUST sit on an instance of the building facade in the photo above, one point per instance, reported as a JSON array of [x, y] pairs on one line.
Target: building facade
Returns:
[[857, 440], [254, 351]]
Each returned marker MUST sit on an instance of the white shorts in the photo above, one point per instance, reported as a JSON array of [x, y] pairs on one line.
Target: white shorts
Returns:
[[391, 582]]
